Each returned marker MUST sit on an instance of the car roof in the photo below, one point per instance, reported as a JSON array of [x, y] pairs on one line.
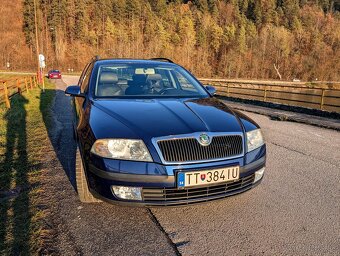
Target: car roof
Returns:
[[133, 61]]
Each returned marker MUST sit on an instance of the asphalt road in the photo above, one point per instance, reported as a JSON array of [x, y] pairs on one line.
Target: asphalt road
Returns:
[[295, 211]]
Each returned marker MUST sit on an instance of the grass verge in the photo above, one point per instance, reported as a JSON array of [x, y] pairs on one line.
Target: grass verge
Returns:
[[23, 141]]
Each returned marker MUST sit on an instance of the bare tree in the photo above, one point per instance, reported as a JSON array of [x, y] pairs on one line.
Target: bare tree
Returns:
[[277, 71]]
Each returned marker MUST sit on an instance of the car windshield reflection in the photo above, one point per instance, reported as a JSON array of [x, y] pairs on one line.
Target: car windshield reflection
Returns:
[[146, 81]]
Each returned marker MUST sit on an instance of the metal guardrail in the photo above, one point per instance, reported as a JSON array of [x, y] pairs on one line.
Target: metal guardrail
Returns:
[[13, 86], [319, 96]]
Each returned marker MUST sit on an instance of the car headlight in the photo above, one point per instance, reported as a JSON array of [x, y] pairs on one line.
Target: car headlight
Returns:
[[254, 139], [123, 149]]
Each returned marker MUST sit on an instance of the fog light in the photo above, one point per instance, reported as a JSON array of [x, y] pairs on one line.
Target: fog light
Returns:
[[259, 175], [128, 193]]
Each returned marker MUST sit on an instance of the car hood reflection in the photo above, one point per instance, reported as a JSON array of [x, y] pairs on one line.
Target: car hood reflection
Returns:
[[163, 117]]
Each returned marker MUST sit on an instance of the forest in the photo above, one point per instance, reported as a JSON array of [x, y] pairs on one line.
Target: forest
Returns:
[[257, 39]]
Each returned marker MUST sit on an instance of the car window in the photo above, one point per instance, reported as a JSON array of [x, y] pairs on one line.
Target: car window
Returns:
[[85, 80], [83, 74], [183, 82], [146, 80], [166, 77]]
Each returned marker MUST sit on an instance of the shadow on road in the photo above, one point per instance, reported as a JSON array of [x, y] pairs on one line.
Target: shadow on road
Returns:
[[15, 218], [59, 126]]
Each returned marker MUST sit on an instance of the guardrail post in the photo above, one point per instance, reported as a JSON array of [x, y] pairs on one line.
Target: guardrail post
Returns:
[[18, 86], [322, 98], [26, 85], [265, 94], [31, 83], [7, 102], [228, 90]]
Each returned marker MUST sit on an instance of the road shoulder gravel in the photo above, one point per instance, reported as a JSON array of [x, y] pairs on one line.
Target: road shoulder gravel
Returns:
[[283, 115]]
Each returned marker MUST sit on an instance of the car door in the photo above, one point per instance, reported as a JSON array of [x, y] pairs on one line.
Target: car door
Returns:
[[80, 102]]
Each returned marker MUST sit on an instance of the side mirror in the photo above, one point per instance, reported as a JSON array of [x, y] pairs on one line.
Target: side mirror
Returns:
[[211, 89], [74, 90]]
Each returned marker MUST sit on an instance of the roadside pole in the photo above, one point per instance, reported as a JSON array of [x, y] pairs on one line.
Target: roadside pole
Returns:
[[42, 65], [36, 39], [43, 80]]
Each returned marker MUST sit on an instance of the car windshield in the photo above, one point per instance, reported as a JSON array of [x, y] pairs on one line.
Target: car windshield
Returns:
[[146, 81]]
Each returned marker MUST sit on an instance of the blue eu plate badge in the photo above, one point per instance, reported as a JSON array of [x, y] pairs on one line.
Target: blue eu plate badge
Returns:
[[181, 180]]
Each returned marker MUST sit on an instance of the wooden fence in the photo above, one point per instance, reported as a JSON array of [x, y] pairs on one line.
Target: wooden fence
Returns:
[[13, 86], [316, 96]]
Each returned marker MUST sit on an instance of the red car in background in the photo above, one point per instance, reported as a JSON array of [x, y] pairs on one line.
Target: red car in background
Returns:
[[54, 74]]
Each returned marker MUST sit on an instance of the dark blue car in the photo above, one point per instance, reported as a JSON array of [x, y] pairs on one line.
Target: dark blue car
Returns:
[[150, 134]]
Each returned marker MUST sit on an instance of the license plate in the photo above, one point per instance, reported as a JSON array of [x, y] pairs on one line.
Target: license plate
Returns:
[[198, 178]]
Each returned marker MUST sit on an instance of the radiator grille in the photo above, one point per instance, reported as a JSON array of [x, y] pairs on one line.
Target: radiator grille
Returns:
[[190, 150]]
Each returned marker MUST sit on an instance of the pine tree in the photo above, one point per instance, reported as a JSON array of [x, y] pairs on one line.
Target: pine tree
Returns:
[[216, 37], [118, 10], [28, 22], [290, 9], [201, 5], [212, 6], [159, 6], [242, 46], [80, 26]]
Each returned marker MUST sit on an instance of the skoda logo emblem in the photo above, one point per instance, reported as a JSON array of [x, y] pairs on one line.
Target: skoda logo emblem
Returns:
[[204, 139]]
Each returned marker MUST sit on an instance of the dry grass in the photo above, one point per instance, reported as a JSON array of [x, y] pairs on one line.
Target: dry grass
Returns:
[[7, 76]]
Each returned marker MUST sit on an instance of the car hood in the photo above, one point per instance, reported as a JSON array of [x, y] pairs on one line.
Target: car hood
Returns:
[[163, 117]]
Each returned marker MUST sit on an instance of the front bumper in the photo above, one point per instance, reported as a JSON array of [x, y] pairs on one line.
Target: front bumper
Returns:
[[161, 190]]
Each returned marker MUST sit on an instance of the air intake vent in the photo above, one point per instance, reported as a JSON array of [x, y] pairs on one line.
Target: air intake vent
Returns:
[[190, 150]]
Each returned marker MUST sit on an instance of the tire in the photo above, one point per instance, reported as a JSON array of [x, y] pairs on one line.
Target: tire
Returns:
[[84, 193]]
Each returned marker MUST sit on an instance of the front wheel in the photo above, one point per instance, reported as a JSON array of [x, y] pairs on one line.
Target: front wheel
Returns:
[[84, 193]]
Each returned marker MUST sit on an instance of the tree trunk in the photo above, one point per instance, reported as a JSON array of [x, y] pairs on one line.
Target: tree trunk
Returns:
[[277, 71]]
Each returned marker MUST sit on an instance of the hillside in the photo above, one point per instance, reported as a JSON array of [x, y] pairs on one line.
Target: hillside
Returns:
[[262, 39], [13, 48]]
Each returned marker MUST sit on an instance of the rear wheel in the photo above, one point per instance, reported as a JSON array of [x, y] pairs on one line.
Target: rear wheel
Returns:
[[84, 193]]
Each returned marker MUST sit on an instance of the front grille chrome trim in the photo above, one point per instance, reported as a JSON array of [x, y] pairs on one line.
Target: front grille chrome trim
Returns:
[[195, 136]]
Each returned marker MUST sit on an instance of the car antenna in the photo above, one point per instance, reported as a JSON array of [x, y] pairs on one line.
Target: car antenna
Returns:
[[95, 58]]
